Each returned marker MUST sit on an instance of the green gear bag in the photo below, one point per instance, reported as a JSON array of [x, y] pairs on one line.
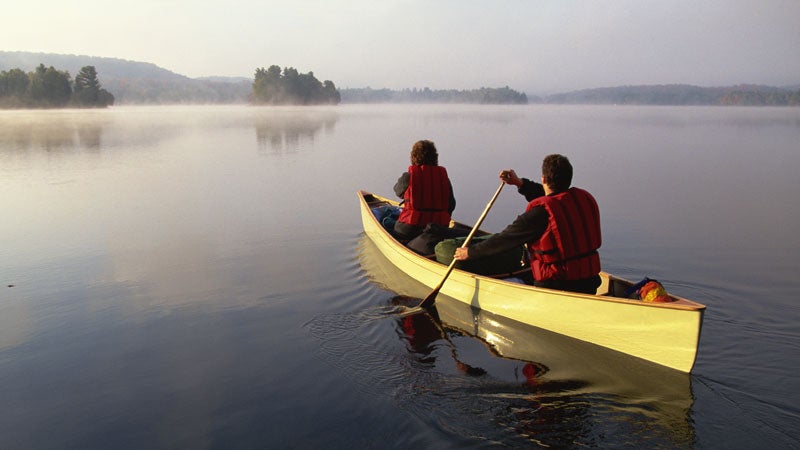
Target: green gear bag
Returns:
[[502, 263]]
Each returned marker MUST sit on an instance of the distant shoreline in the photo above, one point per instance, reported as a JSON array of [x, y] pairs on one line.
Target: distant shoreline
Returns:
[[139, 83]]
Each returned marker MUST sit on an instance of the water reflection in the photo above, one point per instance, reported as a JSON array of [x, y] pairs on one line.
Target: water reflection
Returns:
[[581, 386], [280, 131], [540, 386], [90, 132], [421, 332], [52, 132]]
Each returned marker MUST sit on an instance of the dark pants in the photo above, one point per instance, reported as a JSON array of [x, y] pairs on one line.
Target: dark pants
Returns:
[[406, 231], [583, 286]]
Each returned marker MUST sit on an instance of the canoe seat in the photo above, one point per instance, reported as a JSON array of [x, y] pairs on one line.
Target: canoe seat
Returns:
[[603, 289]]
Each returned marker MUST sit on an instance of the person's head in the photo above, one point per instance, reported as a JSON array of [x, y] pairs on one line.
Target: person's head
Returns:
[[424, 152], [557, 172]]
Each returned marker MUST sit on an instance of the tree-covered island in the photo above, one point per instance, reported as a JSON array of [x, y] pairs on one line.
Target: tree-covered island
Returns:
[[289, 87], [47, 87]]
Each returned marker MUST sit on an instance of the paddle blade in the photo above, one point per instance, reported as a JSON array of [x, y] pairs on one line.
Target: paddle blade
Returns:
[[409, 311]]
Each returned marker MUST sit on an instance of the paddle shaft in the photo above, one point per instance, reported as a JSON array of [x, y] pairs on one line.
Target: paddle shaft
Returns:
[[432, 296]]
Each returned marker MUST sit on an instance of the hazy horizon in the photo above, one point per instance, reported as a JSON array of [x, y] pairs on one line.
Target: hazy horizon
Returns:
[[540, 47]]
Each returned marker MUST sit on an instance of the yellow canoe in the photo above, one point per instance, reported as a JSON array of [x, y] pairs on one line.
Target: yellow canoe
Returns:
[[664, 333]]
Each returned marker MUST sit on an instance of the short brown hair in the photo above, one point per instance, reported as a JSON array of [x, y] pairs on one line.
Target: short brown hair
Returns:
[[424, 152], [557, 172]]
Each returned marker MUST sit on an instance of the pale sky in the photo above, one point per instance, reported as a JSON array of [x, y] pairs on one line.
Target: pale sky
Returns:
[[534, 46]]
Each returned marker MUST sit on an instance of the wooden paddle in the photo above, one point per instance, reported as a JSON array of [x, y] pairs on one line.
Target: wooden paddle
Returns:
[[431, 298]]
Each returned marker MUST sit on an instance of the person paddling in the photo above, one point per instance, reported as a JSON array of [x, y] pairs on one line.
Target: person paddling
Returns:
[[560, 226]]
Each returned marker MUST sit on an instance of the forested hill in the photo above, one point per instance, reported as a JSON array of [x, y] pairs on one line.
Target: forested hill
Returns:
[[108, 67], [134, 82]]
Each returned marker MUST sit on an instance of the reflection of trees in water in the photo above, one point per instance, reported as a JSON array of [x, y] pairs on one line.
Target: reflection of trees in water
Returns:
[[51, 135], [90, 137], [65, 131], [285, 132]]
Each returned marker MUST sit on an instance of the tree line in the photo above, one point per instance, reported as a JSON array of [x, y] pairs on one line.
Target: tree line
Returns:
[[755, 97], [289, 87], [678, 94], [47, 87], [485, 96]]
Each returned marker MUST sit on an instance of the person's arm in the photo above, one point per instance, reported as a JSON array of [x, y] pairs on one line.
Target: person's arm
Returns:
[[452, 205], [402, 184], [525, 228], [530, 189]]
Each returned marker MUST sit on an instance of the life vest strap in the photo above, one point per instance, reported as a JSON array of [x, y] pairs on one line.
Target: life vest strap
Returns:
[[571, 258]]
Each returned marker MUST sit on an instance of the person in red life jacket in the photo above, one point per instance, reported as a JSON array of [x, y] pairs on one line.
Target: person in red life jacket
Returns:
[[560, 226], [426, 192]]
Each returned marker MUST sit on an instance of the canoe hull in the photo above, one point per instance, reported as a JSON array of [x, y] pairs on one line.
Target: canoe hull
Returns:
[[664, 333]]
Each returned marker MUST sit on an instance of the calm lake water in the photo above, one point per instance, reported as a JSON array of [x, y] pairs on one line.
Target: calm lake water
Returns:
[[197, 277]]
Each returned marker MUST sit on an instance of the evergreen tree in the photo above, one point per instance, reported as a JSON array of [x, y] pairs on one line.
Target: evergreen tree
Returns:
[[266, 87], [87, 90], [13, 88], [87, 87], [49, 87], [330, 92]]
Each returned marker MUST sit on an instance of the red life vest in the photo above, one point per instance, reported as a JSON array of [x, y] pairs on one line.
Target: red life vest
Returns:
[[427, 198], [567, 250]]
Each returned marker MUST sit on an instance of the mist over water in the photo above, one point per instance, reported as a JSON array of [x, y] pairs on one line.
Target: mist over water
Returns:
[[197, 277]]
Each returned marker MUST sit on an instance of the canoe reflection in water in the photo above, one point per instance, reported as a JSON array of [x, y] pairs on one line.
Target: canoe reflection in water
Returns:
[[540, 386], [422, 331]]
